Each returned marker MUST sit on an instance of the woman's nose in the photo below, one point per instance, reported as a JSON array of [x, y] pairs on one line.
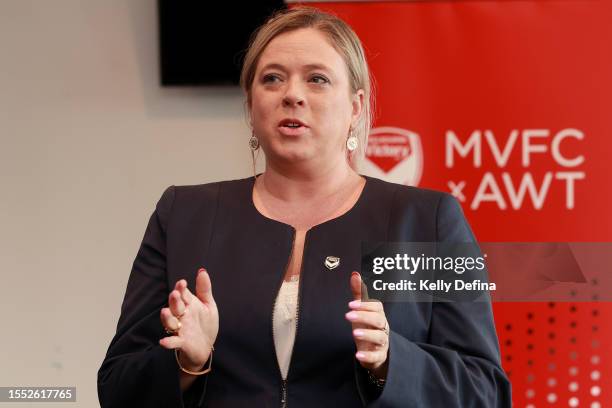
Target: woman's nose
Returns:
[[289, 100], [293, 95]]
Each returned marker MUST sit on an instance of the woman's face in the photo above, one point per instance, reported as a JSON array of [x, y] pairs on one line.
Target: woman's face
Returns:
[[301, 104]]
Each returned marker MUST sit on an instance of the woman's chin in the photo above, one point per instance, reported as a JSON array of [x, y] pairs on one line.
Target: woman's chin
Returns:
[[294, 157]]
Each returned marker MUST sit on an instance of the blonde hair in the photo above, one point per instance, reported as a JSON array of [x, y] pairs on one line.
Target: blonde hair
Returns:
[[341, 37]]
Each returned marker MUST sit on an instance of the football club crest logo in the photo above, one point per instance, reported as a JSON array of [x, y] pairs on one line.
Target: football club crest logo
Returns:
[[332, 262], [394, 154]]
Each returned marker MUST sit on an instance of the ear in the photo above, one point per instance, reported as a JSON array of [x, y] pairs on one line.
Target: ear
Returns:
[[357, 106]]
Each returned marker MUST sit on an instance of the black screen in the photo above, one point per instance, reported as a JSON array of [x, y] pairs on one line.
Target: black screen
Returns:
[[203, 42]]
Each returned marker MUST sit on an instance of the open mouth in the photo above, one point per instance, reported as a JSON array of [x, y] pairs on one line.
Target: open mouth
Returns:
[[292, 125]]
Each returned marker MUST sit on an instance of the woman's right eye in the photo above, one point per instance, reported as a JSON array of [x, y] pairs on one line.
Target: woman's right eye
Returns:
[[270, 78]]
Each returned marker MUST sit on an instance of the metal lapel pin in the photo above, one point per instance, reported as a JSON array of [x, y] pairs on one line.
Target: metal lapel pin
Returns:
[[332, 262]]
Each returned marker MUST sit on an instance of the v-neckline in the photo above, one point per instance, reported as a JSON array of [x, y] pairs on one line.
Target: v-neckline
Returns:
[[354, 208]]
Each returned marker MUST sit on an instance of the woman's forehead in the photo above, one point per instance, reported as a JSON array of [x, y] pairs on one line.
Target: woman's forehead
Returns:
[[306, 48]]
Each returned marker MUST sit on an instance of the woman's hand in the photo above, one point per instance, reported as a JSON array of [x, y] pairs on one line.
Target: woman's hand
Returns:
[[370, 330], [192, 320]]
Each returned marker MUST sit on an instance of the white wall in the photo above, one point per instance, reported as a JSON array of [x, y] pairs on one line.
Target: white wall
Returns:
[[89, 140]]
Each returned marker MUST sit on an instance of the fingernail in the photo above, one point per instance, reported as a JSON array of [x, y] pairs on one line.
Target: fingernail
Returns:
[[360, 355], [358, 333], [355, 273], [355, 304], [351, 315], [201, 270]]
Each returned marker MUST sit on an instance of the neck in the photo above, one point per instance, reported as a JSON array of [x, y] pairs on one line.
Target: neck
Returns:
[[296, 185]]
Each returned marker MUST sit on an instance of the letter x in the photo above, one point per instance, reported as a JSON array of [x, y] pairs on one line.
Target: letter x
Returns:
[[456, 189]]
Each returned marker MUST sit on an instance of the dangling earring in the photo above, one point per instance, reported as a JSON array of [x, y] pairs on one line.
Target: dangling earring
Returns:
[[352, 142], [254, 145], [253, 142]]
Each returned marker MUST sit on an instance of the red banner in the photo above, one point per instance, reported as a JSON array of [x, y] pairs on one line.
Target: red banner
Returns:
[[506, 105]]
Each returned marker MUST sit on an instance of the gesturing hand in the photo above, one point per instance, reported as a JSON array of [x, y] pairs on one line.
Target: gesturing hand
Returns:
[[192, 321], [370, 330]]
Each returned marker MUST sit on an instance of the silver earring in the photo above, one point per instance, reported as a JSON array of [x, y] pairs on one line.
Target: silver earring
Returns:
[[254, 142], [352, 142]]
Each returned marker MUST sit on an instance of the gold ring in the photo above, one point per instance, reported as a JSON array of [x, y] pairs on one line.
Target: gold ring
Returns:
[[174, 332], [386, 328]]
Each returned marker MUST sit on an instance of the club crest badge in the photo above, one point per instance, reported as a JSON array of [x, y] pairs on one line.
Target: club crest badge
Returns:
[[332, 262], [394, 154]]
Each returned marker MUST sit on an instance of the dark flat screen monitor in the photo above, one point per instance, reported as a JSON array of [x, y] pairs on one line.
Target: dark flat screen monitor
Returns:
[[203, 42]]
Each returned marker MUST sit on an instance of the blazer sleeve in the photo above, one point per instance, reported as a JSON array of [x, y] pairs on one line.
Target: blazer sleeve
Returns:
[[137, 371], [459, 365]]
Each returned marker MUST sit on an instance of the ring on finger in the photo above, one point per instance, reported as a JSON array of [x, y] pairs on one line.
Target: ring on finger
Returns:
[[174, 331], [386, 328]]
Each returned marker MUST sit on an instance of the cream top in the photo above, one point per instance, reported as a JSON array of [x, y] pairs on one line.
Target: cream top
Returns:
[[284, 322]]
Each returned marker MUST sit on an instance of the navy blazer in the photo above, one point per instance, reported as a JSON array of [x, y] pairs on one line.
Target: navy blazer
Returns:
[[440, 354]]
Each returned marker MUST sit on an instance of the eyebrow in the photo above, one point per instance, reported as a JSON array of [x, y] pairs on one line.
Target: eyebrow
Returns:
[[307, 67]]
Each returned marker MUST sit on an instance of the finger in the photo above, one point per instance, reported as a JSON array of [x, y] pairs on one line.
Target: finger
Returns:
[[171, 342], [177, 306], [372, 306], [375, 320], [168, 320], [186, 294], [371, 357], [356, 285], [374, 337], [204, 287]]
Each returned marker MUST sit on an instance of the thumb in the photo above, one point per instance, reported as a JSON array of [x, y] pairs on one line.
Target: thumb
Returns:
[[204, 287], [356, 285]]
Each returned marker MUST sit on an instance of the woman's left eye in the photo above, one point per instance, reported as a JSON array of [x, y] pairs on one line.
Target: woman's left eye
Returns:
[[319, 79]]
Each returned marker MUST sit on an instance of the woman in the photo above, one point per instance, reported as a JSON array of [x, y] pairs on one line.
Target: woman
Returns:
[[275, 318]]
